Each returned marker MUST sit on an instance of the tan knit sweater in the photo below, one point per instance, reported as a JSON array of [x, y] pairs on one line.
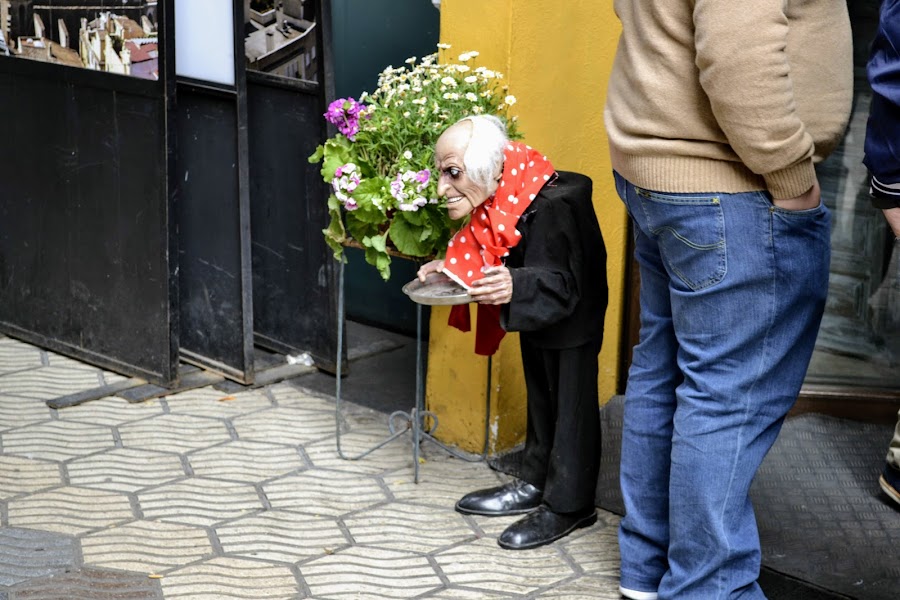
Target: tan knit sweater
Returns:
[[728, 95]]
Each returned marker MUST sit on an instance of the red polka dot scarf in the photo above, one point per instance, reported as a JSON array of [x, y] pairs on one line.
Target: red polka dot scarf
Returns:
[[485, 241]]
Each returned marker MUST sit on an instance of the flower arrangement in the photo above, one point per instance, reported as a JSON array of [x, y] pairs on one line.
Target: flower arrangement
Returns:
[[379, 164]]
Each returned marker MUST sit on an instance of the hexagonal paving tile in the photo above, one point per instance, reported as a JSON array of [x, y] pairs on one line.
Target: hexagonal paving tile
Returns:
[[442, 480], [286, 394], [174, 433], [360, 572], [198, 501], [483, 564], [110, 411], [70, 510], [27, 554], [125, 469], [246, 461], [58, 360], [50, 382], [91, 584], [146, 546], [209, 402], [22, 475], [464, 594], [285, 425], [324, 493], [16, 411], [57, 440], [231, 578], [596, 549], [400, 526], [397, 454], [281, 536], [18, 356], [585, 588]]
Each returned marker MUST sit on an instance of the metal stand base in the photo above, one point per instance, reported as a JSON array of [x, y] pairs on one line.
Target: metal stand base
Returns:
[[401, 422]]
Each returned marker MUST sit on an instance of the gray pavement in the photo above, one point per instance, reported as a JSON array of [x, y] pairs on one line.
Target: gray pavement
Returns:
[[210, 495]]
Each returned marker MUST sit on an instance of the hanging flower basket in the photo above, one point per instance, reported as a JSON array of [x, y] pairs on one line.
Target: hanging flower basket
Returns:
[[379, 164]]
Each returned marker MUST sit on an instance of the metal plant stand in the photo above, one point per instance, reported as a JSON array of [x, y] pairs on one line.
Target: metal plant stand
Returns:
[[402, 422]]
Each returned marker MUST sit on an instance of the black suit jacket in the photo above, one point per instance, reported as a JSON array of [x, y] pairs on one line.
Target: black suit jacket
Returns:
[[558, 268]]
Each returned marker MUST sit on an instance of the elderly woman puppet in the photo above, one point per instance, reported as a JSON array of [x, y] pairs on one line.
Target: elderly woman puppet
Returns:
[[532, 256]]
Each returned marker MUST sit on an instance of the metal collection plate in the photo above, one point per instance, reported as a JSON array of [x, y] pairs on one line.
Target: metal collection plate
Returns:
[[437, 290]]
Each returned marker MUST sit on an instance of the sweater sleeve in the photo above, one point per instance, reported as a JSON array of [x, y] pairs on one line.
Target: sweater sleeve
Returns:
[[882, 144], [745, 72], [545, 288]]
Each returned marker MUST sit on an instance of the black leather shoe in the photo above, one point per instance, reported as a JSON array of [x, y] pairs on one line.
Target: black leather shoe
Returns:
[[543, 526], [514, 498]]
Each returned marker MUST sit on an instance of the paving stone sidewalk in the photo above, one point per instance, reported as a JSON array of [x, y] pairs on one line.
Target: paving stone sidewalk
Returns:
[[210, 495]]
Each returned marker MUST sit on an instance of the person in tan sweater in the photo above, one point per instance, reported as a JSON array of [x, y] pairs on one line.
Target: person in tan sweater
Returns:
[[716, 114]]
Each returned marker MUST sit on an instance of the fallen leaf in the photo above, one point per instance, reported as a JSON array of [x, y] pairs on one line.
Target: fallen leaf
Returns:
[[227, 398], [154, 576]]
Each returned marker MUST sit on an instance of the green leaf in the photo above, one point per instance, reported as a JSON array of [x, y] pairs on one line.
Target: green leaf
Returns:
[[336, 247], [407, 237], [378, 242], [376, 254], [372, 197], [318, 154], [415, 217], [338, 151], [359, 230], [335, 234]]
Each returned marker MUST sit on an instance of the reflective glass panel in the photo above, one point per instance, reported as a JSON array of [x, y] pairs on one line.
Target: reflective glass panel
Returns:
[[858, 341], [280, 38]]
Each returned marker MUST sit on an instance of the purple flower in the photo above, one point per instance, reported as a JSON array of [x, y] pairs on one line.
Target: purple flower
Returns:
[[414, 205], [423, 176], [346, 180], [343, 113], [397, 189]]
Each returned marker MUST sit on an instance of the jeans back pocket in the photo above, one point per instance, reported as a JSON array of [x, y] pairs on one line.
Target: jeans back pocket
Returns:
[[690, 231]]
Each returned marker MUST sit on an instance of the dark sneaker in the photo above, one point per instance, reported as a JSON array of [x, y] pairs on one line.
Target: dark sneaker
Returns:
[[890, 482]]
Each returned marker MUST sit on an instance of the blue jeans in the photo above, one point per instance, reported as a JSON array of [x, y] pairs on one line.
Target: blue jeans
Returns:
[[732, 294]]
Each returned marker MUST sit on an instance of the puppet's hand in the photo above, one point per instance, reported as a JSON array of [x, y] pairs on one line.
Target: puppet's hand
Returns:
[[435, 266], [496, 287]]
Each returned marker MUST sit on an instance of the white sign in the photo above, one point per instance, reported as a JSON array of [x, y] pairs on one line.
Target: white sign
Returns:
[[204, 40]]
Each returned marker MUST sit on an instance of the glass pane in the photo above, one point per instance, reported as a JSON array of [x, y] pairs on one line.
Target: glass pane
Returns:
[[115, 36], [857, 342], [280, 38]]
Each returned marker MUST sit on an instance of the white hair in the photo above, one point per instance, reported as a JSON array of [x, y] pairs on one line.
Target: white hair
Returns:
[[484, 155]]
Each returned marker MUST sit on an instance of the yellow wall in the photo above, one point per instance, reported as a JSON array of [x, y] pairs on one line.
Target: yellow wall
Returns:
[[556, 58]]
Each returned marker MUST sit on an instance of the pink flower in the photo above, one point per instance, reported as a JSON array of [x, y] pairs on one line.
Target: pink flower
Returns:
[[343, 113]]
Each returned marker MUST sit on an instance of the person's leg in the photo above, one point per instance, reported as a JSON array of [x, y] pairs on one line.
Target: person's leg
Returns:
[[525, 492], [541, 414], [886, 302], [562, 452], [747, 288], [890, 476], [571, 483], [647, 423], [893, 455]]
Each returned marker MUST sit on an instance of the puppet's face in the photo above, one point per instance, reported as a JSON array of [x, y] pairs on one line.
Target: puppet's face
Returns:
[[462, 193]]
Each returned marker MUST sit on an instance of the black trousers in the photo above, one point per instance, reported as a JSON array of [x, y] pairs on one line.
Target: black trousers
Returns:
[[562, 444]]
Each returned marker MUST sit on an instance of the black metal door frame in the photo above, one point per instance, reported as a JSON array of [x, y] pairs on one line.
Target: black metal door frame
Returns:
[[87, 244], [216, 297], [294, 272]]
